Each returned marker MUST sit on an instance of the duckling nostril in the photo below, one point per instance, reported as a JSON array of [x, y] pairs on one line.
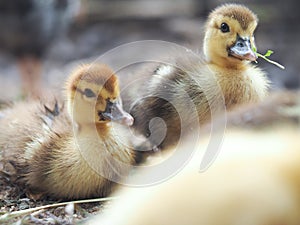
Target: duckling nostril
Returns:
[[240, 44]]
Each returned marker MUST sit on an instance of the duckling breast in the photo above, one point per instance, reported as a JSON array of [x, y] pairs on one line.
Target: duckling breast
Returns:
[[240, 87]]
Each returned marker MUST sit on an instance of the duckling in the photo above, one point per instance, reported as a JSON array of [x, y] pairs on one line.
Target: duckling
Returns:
[[228, 50], [254, 180], [69, 152]]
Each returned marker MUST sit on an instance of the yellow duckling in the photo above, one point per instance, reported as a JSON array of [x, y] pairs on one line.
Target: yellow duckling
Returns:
[[228, 51], [254, 180], [69, 152]]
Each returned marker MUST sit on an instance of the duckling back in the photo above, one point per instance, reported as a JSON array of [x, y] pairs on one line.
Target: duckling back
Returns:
[[40, 153], [24, 130]]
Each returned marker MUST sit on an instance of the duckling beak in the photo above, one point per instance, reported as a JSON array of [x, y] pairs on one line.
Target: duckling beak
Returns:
[[115, 112], [242, 50]]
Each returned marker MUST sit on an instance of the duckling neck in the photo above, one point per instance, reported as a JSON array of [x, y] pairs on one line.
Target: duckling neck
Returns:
[[228, 63], [92, 138], [101, 129]]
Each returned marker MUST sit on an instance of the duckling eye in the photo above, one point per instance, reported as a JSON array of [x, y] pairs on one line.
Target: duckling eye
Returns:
[[89, 93], [224, 28]]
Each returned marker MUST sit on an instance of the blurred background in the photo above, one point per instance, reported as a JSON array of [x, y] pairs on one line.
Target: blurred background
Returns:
[[42, 40]]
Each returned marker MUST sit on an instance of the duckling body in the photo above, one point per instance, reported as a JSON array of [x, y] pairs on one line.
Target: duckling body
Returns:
[[60, 152], [225, 67]]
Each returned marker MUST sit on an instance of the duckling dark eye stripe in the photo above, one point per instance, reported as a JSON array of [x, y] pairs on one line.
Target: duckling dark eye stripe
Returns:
[[79, 90]]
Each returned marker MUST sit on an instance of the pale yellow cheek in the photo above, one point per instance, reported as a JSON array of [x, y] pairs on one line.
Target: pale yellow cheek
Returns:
[[221, 44], [89, 100]]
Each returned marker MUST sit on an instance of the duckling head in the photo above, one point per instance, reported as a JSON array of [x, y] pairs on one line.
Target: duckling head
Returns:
[[229, 37], [93, 96]]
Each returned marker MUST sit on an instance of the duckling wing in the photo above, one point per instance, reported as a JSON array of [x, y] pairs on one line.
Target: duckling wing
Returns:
[[50, 114], [23, 130]]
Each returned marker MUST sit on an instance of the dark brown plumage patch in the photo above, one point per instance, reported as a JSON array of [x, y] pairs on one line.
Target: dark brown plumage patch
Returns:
[[73, 87], [111, 84], [238, 12]]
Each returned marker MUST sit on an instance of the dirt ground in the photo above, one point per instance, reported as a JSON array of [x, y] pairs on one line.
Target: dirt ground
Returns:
[[12, 200]]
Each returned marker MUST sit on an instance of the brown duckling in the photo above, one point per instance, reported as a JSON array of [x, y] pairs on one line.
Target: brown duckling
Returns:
[[224, 76], [69, 152], [254, 180]]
